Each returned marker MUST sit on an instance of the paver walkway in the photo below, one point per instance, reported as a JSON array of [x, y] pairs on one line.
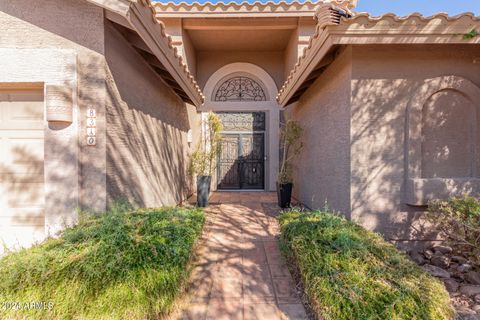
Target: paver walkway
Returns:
[[240, 273]]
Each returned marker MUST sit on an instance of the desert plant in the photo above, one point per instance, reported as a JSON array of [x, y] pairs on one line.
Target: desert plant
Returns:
[[458, 221], [291, 146], [349, 272], [123, 264], [203, 159], [470, 35]]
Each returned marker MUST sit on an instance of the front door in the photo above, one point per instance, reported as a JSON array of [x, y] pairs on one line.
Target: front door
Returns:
[[241, 163]]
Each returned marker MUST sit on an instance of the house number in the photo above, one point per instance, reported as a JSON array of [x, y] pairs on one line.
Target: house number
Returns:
[[91, 113], [91, 122], [91, 141], [91, 132], [91, 127]]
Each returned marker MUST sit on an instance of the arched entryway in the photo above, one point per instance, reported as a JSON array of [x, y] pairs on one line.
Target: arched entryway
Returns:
[[243, 95]]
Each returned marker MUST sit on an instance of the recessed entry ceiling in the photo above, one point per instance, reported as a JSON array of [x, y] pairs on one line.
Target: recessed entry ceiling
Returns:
[[241, 40]]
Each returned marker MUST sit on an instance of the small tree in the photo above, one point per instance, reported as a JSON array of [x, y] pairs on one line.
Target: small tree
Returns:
[[291, 146], [458, 221], [203, 159]]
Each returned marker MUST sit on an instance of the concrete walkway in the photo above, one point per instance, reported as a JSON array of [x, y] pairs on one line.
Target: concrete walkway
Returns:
[[240, 273]]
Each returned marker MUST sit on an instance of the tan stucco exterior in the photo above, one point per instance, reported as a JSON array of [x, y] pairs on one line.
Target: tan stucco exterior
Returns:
[[147, 124], [322, 170], [381, 103], [44, 46], [72, 46], [389, 105], [358, 156]]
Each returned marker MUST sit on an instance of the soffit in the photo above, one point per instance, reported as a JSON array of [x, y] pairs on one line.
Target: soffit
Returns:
[[240, 40], [136, 20], [333, 31]]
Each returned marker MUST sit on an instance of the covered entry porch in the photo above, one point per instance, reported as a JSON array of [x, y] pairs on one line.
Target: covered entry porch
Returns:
[[243, 96]]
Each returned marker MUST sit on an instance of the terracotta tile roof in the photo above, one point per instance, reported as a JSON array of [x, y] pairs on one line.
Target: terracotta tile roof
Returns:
[[439, 28], [325, 16], [174, 52], [176, 58], [144, 12], [294, 8]]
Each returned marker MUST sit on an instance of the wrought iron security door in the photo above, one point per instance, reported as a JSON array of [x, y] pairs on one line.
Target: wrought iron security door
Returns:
[[241, 163]]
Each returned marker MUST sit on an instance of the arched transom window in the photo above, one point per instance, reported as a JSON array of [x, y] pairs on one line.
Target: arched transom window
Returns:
[[240, 88]]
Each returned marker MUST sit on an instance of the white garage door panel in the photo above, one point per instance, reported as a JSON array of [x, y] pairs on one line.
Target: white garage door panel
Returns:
[[22, 188], [24, 236], [24, 152], [24, 217], [22, 194]]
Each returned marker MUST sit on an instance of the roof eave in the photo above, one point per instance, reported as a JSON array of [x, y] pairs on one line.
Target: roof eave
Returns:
[[153, 33], [304, 67], [140, 16], [193, 15], [235, 9], [121, 7], [439, 29]]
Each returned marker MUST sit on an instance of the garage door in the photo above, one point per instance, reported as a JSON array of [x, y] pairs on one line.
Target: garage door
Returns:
[[22, 194]]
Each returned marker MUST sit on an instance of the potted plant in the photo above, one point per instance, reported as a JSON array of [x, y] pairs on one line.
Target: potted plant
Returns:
[[291, 133], [202, 161]]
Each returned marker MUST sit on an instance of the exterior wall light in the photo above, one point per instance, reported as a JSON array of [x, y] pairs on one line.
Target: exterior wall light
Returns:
[[59, 103]]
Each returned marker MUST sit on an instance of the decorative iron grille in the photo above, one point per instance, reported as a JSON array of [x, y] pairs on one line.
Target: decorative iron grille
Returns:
[[240, 89], [242, 121]]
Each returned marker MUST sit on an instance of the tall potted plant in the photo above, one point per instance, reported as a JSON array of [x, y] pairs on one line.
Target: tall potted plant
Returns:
[[291, 133], [202, 161]]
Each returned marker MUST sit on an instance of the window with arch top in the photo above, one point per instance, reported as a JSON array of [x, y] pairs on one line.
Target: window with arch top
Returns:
[[239, 88]]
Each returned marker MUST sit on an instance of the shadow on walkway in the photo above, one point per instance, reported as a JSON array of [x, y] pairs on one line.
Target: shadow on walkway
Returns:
[[240, 272]]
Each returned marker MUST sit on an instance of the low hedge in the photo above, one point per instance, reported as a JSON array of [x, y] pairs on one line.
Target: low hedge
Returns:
[[123, 264], [350, 273]]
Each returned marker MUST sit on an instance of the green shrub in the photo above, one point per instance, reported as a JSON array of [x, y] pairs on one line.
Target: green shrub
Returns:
[[351, 273], [124, 264], [458, 221]]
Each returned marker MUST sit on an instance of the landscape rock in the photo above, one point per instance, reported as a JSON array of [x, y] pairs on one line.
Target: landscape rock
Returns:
[[477, 299], [417, 258], [476, 308], [428, 254], [466, 314], [436, 271], [451, 285], [465, 267], [470, 290], [443, 249], [460, 277], [473, 277], [440, 261], [459, 259]]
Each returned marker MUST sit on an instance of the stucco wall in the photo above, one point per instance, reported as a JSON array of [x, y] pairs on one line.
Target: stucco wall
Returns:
[[76, 27], [298, 42], [181, 40], [322, 170], [190, 53], [147, 127], [291, 53], [210, 61], [384, 79]]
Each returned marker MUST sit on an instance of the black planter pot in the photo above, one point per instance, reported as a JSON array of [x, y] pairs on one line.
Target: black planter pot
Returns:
[[284, 193], [203, 190]]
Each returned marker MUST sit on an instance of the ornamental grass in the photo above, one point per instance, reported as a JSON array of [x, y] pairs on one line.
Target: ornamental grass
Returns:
[[123, 264], [350, 273]]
